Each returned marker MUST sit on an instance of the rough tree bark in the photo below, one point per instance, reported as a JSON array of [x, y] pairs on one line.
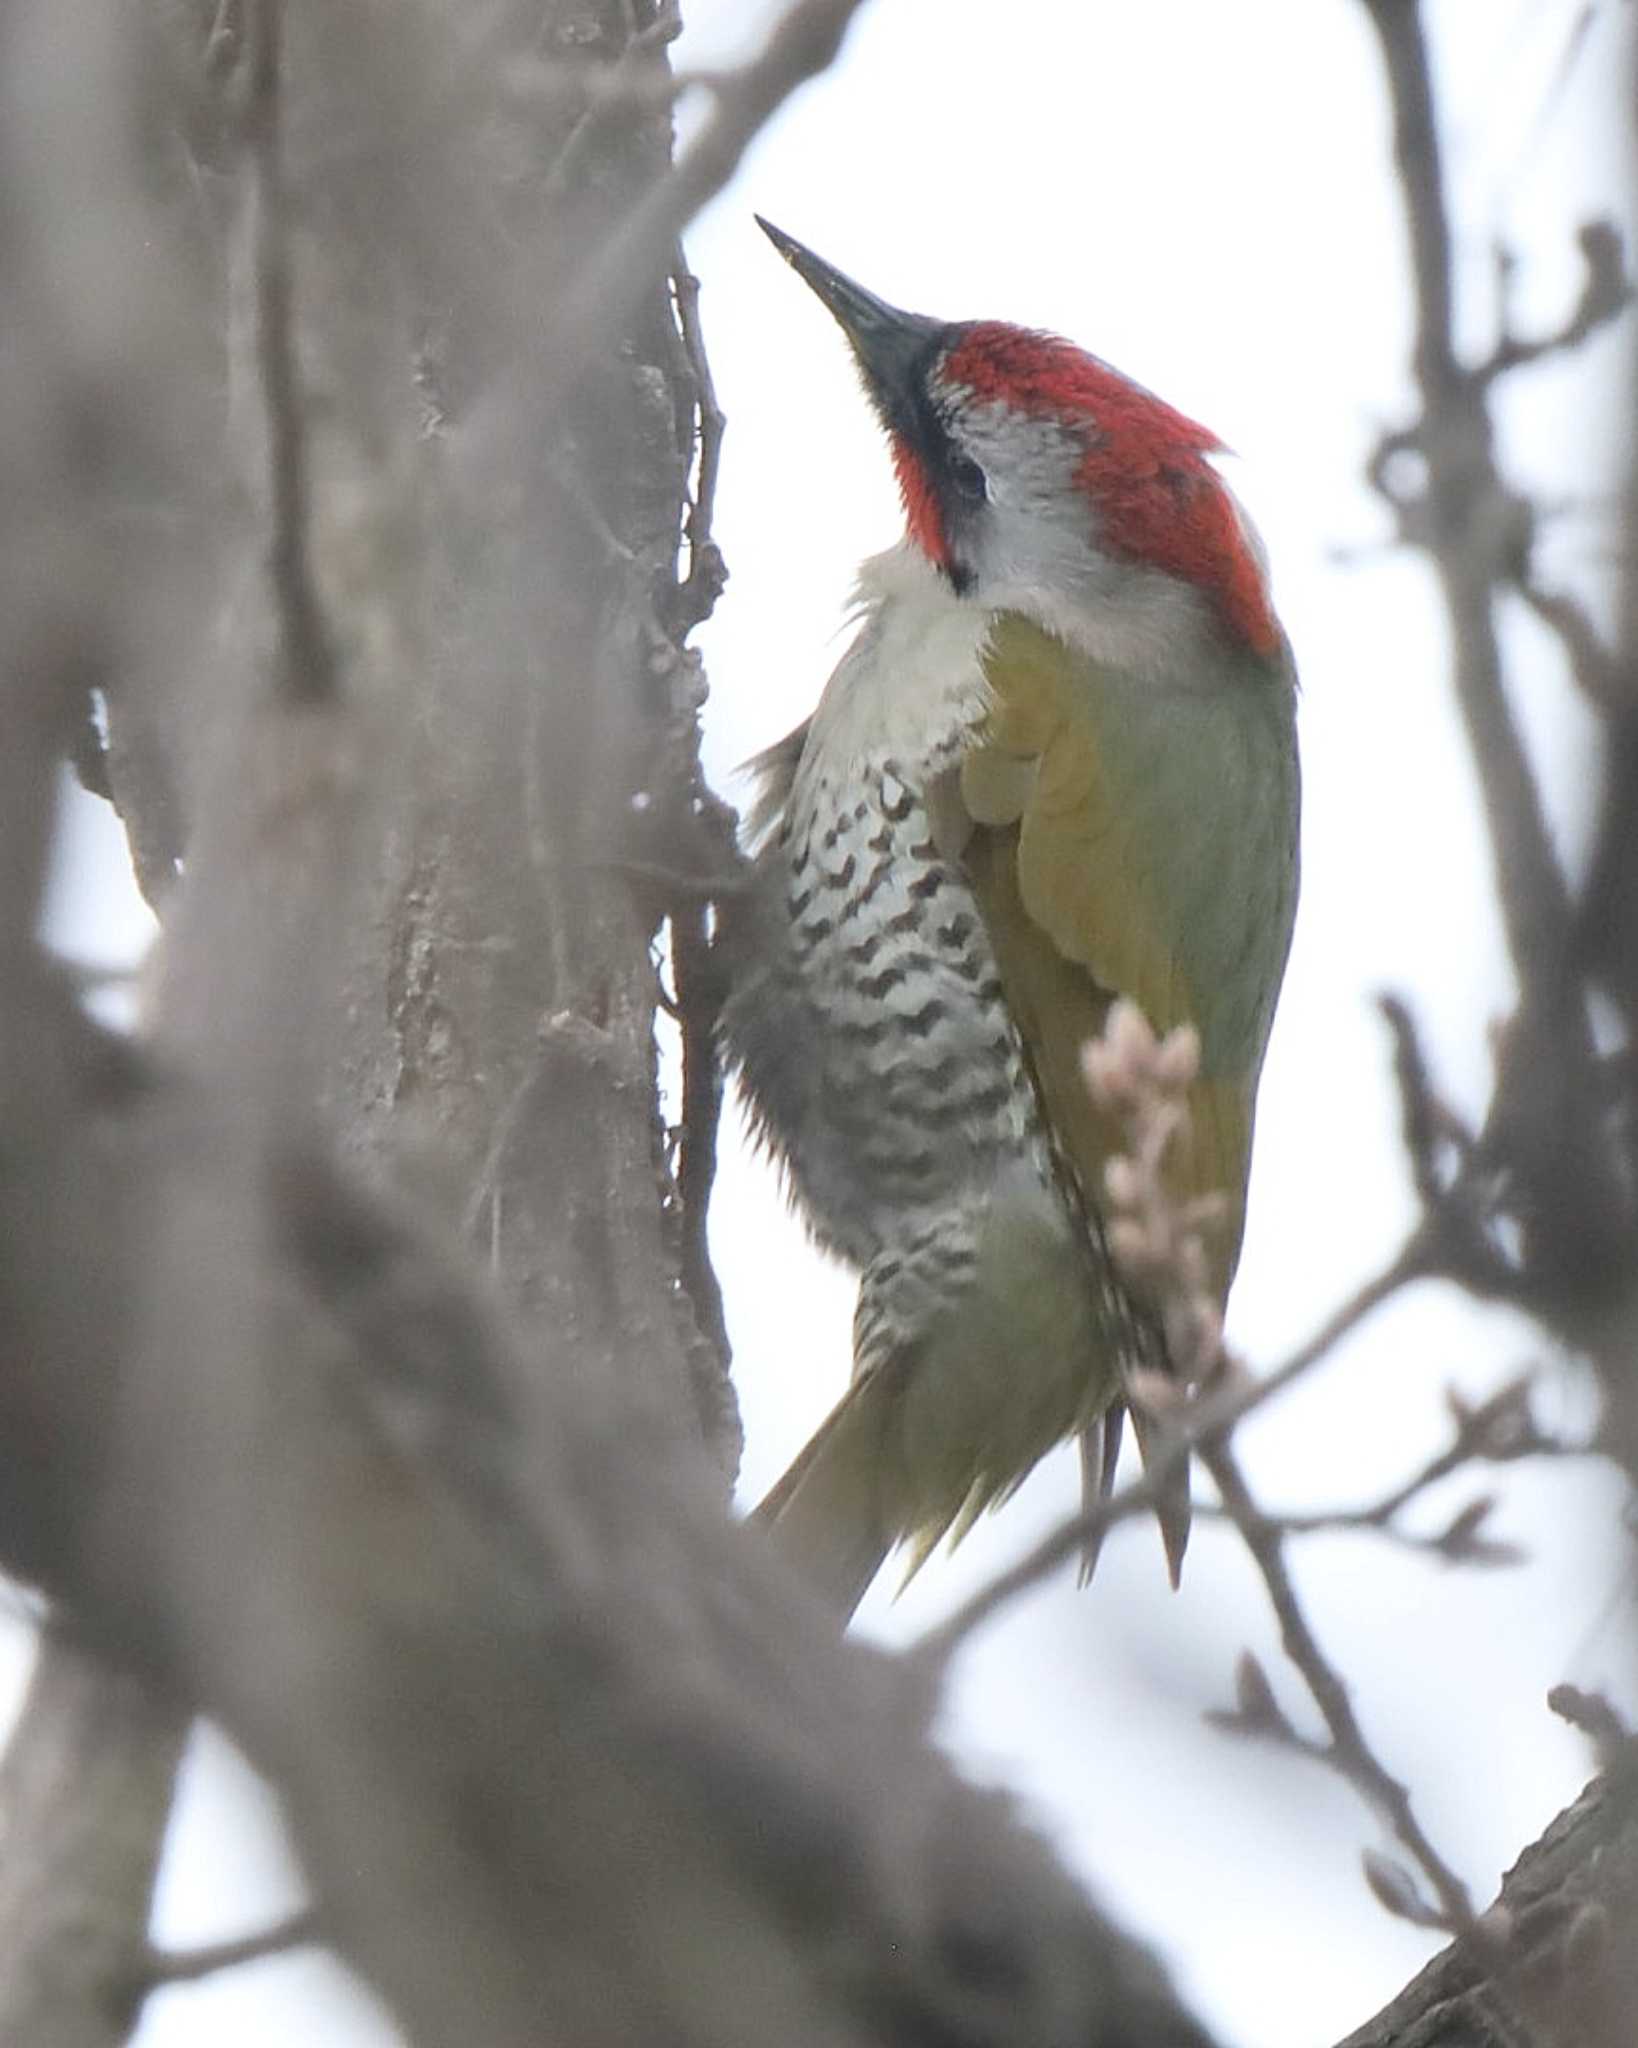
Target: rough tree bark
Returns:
[[352, 481]]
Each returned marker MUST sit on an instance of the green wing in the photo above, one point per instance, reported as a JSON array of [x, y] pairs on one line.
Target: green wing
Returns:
[[1132, 836]]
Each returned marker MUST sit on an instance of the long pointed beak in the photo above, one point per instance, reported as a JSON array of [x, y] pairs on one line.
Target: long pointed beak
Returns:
[[890, 345]]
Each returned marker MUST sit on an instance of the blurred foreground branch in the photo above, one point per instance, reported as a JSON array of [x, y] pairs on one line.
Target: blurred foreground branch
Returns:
[[359, 1381]]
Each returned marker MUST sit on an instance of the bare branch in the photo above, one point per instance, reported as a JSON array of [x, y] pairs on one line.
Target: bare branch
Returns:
[[1475, 529], [1431, 1130], [1500, 1430], [1256, 1710], [1348, 1753], [1163, 1261], [307, 664], [699, 999], [1218, 1411], [1418, 159], [707, 573], [1591, 664], [804, 43], [1539, 1211], [1553, 1965], [1606, 292], [1161, 1258], [190, 1965], [1459, 1543], [1593, 1714]]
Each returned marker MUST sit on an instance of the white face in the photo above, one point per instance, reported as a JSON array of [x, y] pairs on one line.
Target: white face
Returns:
[[1024, 534], [1016, 514]]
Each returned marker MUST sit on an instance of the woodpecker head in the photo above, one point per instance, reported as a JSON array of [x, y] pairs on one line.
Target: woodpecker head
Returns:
[[1034, 475]]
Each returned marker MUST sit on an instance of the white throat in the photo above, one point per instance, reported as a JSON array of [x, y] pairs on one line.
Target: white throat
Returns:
[[912, 683]]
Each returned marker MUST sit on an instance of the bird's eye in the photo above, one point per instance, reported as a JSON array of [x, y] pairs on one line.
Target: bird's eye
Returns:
[[967, 477]]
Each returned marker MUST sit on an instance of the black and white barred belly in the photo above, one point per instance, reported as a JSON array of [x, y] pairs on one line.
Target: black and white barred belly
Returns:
[[873, 1037]]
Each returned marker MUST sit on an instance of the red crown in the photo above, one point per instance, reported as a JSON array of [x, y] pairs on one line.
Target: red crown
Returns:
[[1158, 499]]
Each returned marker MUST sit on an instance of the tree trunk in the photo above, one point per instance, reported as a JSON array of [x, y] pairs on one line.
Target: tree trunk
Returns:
[[353, 1390]]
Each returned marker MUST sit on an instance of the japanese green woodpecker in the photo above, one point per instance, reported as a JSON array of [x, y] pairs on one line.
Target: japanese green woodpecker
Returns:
[[1056, 765]]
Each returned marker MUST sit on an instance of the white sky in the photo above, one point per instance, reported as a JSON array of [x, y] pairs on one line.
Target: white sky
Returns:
[[1201, 194]]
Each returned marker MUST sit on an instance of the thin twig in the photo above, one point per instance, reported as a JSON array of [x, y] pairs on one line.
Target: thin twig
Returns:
[[1143, 1082], [1597, 1719], [1418, 159], [1459, 1544], [307, 664], [1430, 1129], [698, 592], [1217, 1413], [1349, 1753], [804, 43], [1475, 530], [1605, 293], [1591, 663], [699, 998], [162, 1966], [1500, 1430], [1412, 1262]]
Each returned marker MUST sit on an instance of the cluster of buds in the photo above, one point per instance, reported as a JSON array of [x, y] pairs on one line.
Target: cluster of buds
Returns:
[[1142, 1082]]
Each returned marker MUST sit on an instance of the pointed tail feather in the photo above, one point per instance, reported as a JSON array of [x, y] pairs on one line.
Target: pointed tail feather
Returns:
[[1100, 1454], [826, 1514], [1173, 1510]]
